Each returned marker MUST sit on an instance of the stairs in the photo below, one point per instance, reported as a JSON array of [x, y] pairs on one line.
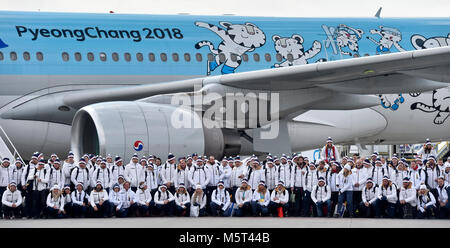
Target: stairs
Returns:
[[5, 151]]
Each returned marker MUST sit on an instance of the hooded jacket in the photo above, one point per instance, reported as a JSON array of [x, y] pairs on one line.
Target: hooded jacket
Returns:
[[79, 198], [321, 193], [59, 202], [443, 192], [42, 174], [282, 196], [168, 173], [226, 175], [132, 173], [151, 178], [244, 196], [182, 198], [6, 175], [390, 192], [370, 195], [221, 196], [199, 175], [116, 199], [143, 196], [408, 195], [425, 200], [160, 196], [81, 175], [195, 200], [96, 196], [261, 199]]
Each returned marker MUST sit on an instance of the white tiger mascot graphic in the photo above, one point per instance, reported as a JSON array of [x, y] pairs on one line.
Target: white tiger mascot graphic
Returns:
[[292, 50], [389, 37], [343, 36], [440, 101], [237, 39]]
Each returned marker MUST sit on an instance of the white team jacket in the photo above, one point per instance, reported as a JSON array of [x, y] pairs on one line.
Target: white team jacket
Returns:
[[8, 198], [321, 194]]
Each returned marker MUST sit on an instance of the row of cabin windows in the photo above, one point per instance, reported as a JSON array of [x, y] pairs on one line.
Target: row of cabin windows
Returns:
[[151, 57]]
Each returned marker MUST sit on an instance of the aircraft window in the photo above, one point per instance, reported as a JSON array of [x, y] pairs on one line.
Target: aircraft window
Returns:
[[199, 57], [222, 57], [26, 56], [233, 57], [1, 56], [245, 57], [187, 57], [139, 57], [163, 57], [39, 56], [103, 56], [175, 57], [78, 56], [268, 57], [115, 56], [127, 57], [13, 56], [290, 57], [256, 57], [90, 56], [65, 56], [279, 57], [151, 57], [210, 57]]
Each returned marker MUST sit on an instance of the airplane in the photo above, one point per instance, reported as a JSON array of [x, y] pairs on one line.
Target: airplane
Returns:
[[105, 83]]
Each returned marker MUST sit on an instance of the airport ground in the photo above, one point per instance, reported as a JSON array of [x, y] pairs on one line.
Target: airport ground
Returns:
[[219, 222]]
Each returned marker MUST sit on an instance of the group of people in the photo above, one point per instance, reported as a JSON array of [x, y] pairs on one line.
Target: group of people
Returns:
[[203, 186]]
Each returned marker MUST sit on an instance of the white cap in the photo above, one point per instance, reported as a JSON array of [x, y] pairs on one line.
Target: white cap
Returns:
[[348, 167], [423, 186]]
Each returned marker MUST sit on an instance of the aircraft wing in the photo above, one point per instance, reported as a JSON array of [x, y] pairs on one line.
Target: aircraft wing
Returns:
[[411, 71]]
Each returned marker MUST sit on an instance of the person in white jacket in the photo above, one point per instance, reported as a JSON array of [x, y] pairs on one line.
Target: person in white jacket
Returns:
[[359, 174], [270, 173], [243, 198], [168, 173], [407, 198], [427, 150], [38, 178], [238, 173], [56, 176], [279, 199], [255, 174], [151, 178], [345, 185], [261, 200], [387, 198], [143, 200], [443, 202], [17, 173], [128, 208], [103, 174], [81, 174], [369, 198], [199, 174], [164, 201], [67, 167], [226, 174], [214, 170], [310, 179], [115, 199], [79, 201], [12, 202], [182, 175], [99, 202], [117, 169], [6, 176], [426, 203], [198, 200], [321, 196], [220, 201], [55, 203], [132, 172], [182, 201], [329, 152]]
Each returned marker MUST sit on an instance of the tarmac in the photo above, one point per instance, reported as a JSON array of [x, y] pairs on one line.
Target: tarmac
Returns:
[[221, 222]]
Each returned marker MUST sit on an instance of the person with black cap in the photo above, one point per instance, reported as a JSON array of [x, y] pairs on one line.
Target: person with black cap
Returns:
[[427, 150], [56, 174], [143, 200], [243, 198], [261, 200], [68, 204], [103, 174], [12, 202], [164, 201], [132, 172], [279, 199], [27, 186], [426, 203], [431, 174], [345, 184], [168, 173], [387, 199], [116, 200], [81, 174], [369, 198], [321, 195], [329, 151], [198, 202], [310, 179], [99, 202], [55, 203], [182, 201], [79, 201], [407, 198], [220, 201], [38, 179], [117, 169]]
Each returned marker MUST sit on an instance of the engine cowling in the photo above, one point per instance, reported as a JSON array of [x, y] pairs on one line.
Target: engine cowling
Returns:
[[125, 128]]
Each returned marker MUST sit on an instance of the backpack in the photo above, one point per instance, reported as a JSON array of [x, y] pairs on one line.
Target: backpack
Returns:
[[98, 173], [317, 189], [438, 173]]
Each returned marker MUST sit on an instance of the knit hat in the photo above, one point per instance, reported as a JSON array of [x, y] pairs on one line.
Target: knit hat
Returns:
[[170, 156], [220, 183], [329, 140], [366, 161], [55, 187], [280, 183], [117, 159], [386, 177], [423, 186], [181, 185], [12, 184], [71, 155], [369, 180], [42, 161], [135, 156], [67, 186], [347, 167], [244, 181], [321, 179], [80, 183], [116, 185], [5, 159], [198, 186], [406, 180], [262, 183], [98, 183], [428, 142]]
